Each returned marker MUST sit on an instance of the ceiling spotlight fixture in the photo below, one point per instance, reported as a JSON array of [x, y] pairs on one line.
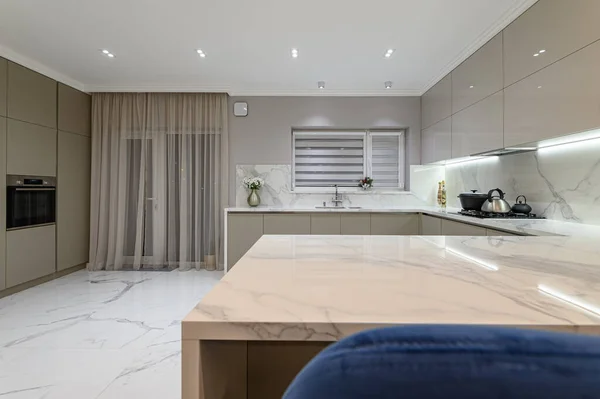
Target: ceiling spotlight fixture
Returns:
[[107, 53], [539, 87], [201, 53], [470, 87], [536, 54], [389, 53], [542, 51], [321, 84], [388, 84], [294, 53]]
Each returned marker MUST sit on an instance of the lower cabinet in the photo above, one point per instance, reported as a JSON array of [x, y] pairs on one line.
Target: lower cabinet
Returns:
[[326, 224], [450, 228], [287, 223], [394, 224], [430, 226], [243, 230], [353, 224], [30, 254]]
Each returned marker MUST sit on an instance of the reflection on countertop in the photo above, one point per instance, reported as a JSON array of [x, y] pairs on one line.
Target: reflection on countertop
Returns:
[[323, 288]]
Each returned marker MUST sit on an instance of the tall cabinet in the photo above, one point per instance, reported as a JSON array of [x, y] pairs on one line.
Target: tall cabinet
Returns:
[[44, 131], [74, 170]]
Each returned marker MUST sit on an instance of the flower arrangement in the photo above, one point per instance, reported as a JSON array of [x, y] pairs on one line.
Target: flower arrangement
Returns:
[[253, 183], [365, 183]]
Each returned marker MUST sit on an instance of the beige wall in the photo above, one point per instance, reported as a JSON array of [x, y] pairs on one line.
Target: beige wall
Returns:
[[264, 136]]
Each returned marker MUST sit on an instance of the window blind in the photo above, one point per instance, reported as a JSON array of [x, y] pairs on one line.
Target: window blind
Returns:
[[325, 159], [385, 160]]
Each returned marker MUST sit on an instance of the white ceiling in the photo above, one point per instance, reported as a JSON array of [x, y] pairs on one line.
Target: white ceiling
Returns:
[[248, 43]]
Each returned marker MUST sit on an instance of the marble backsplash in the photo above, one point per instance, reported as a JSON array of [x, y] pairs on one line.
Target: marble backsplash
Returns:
[[277, 191], [560, 183]]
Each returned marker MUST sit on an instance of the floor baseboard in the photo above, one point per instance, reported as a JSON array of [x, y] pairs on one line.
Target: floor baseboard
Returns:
[[41, 280]]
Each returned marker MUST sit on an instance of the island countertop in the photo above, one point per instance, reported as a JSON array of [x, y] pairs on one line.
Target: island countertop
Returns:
[[322, 288]]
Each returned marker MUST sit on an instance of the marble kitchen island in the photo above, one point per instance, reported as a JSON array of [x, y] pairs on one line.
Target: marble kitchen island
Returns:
[[291, 296]]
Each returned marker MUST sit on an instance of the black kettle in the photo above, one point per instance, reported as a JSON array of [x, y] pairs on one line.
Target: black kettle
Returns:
[[521, 206]]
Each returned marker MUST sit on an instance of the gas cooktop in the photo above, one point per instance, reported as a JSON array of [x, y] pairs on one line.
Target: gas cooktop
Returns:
[[510, 215]]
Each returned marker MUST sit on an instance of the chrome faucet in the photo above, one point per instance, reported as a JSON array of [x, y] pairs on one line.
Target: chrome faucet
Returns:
[[337, 198]]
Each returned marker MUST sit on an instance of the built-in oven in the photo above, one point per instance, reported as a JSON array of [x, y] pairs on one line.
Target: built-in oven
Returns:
[[30, 201]]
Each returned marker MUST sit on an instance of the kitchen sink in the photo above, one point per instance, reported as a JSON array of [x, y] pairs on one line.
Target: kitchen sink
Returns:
[[337, 207]]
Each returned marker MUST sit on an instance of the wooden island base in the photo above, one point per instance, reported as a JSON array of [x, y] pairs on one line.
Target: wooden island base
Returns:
[[242, 369]]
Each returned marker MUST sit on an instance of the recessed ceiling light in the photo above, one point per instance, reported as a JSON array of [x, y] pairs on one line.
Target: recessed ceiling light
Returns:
[[542, 51], [295, 53], [536, 54], [389, 53], [539, 87], [321, 84], [107, 53], [388, 84], [201, 53], [470, 87]]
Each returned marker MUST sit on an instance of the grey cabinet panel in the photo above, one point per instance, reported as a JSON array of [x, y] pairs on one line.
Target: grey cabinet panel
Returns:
[[478, 76], [31, 149], [3, 85], [74, 111], [436, 103], [243, 230], [491, 232], [394, 224], [560, 99], [560, 27], [73, 200], [437, 142], [430, 226], [286, 223], [3, 202], [478, 128], [451, 228], [324, 223], [355, 224], [24, 264], [31, 96]]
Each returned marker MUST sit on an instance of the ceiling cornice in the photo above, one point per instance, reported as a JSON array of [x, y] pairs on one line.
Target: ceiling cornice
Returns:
[[517, 9], [27, 62], [253, 93]]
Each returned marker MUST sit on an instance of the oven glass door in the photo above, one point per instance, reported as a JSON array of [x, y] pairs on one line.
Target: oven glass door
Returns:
[[30, 206]]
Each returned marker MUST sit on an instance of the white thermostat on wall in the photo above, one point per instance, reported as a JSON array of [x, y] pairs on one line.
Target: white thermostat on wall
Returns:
[[240, 109]]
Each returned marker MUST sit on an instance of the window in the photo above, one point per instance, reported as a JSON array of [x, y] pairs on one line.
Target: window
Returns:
[[326, 158]]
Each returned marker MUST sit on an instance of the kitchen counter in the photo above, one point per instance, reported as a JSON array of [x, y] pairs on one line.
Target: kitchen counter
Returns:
[[311, 290], [534, 227]]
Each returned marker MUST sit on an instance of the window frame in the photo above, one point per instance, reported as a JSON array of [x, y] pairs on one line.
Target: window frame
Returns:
[[367, 135]]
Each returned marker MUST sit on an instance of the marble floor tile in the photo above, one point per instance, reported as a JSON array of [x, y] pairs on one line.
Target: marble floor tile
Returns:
[[98, 335]]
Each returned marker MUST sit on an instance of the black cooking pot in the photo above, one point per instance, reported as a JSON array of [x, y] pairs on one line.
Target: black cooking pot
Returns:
[[472, 201]]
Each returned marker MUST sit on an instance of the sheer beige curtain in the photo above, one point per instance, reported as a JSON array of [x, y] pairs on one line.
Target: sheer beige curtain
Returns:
[[159, 180]]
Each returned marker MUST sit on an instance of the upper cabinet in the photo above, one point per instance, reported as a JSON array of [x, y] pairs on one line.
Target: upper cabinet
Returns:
[[561, 99], [3, 82], [436, 103], [437, 142], [31, 96], [552, 29], [74, 110], [31, 149], [478, 128], [479, 76]]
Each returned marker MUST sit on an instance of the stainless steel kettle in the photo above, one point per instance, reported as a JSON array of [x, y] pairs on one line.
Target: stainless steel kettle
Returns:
[[495, 203]]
